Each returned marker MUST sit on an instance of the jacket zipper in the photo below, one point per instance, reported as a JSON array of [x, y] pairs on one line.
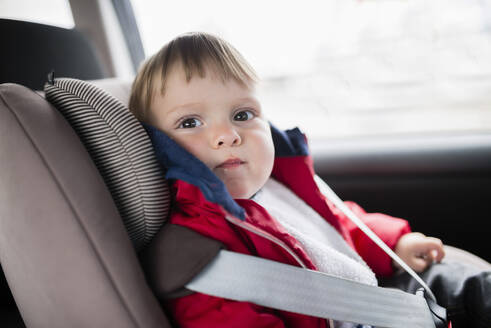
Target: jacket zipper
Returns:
[[259, 232]]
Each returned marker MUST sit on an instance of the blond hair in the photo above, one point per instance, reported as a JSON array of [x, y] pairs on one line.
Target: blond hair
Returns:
[[196, 52]]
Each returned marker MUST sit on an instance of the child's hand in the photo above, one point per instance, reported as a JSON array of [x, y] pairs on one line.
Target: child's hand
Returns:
[[419, 251]]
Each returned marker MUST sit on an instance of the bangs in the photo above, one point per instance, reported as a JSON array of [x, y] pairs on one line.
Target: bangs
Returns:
[[199, 52]]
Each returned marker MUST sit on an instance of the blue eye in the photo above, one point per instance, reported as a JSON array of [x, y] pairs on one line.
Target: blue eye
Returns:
[[190, 123], [244, 115]]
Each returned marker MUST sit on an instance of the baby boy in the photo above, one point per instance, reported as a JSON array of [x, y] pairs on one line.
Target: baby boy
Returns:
[[202, 93]]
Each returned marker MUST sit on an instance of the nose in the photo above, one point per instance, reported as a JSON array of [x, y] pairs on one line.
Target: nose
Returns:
[[225, 136]]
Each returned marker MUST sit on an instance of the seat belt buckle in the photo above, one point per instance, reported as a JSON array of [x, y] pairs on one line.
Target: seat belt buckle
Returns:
[[438, 312]]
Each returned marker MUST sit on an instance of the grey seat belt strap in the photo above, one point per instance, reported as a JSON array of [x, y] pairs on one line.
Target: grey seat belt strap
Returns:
[[280, 286], [331, 195]]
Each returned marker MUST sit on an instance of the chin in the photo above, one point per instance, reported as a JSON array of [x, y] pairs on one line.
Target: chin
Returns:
[[240, 192], [241, 195]]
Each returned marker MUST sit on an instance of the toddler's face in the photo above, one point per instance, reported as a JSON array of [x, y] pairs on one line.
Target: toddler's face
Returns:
[[222, 124]]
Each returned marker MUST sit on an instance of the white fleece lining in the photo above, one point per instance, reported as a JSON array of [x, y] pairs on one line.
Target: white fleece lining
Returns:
[[324, 245]]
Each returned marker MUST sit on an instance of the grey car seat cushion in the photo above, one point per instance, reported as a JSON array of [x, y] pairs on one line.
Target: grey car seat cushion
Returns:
[[122, 152], [66, 255]]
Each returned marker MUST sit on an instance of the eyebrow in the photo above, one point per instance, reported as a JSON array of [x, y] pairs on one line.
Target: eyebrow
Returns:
[[248, 99], [183, 106]]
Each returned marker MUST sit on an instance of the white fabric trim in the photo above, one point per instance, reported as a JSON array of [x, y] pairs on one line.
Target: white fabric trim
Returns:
[[324, 245]]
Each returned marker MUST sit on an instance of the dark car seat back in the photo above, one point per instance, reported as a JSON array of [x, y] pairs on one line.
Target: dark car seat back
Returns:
[[31, 50]]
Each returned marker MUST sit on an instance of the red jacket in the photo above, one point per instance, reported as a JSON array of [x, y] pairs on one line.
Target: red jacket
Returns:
[[261, 235]]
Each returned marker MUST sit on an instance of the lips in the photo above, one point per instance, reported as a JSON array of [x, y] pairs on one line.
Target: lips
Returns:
[[231, 163]]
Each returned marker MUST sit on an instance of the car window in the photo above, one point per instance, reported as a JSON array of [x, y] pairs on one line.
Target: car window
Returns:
[[351, 67], [51, 12]]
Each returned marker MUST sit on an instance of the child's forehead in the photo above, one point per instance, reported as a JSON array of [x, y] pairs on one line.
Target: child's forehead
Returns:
[[206, 69], [178, 75]]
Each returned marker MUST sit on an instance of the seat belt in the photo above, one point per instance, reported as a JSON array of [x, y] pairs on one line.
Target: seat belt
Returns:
[[280, 286], [285, 287]]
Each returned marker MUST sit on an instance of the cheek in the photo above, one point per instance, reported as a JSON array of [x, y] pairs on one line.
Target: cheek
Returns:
[[193, 144], [264, 153]]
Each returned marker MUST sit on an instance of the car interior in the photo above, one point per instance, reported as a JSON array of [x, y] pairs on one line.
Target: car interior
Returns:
[[65, 251]]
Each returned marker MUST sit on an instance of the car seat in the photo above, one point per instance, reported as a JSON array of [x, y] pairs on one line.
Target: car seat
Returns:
[[63, 246]]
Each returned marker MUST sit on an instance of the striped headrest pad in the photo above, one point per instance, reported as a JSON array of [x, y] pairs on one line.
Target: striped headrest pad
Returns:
[[121, 150]]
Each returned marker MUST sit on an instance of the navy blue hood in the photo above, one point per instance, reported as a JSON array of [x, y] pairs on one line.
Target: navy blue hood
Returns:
[[178, 163]]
